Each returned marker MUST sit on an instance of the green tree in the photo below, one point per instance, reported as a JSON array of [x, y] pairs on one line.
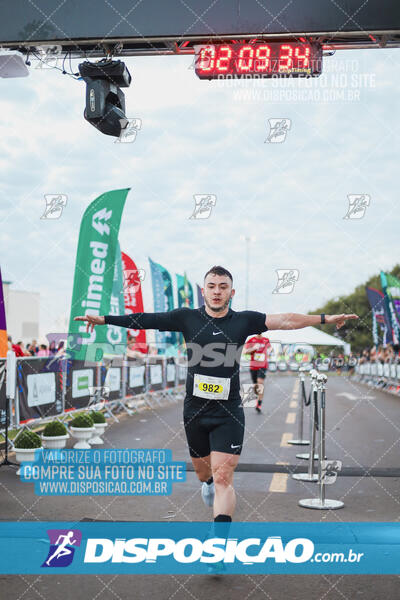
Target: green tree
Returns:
[[357, 333]]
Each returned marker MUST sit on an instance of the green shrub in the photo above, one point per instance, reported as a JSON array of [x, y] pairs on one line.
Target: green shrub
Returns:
[[82, 420], [28, 439], [55, 428], [97, 416]]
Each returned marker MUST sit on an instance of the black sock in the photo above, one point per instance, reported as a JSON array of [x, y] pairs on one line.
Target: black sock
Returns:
[[222, 524], [223, 519], [209, 481]]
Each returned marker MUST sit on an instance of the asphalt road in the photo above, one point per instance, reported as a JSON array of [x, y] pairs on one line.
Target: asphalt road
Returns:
[[362, 430]]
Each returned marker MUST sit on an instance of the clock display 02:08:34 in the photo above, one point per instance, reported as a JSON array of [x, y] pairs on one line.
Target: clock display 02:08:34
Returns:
[[219, 61]]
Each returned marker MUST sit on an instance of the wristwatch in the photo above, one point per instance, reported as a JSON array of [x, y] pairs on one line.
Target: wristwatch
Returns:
[[322, 318]]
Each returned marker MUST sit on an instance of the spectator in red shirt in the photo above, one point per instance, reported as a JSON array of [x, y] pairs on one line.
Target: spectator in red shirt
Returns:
[[257, 347], [15, 347], [24, 349]]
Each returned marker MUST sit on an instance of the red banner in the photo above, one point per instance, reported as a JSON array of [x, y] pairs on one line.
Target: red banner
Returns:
[[133, 294]]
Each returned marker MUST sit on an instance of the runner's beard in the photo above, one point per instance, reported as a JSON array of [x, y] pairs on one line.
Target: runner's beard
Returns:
[[218, 308]]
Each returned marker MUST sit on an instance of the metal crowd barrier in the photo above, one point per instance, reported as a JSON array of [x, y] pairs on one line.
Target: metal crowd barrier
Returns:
[[49, 388], [385, 376]]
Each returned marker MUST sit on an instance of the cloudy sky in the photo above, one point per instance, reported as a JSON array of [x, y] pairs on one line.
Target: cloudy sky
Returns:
[[201, 137]]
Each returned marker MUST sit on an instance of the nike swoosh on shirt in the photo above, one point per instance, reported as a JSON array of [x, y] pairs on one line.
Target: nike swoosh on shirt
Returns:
[[217, 332]]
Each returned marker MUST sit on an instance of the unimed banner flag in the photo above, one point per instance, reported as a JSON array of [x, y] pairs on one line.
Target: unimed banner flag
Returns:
[[94, 274], [112, 336]]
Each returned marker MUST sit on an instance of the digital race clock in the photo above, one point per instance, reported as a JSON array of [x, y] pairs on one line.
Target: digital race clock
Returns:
[[275, 59]]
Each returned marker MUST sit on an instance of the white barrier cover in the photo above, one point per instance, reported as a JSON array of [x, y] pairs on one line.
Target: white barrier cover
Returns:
[[113, 379], [155, 373], [82, 379], [170, 372], [136, 376], [41, 388], [386, 371]]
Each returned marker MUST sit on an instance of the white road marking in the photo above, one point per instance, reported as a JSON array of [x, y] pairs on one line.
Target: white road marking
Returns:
[[284, 440], [291, 418], [353, 397], [279, 480]]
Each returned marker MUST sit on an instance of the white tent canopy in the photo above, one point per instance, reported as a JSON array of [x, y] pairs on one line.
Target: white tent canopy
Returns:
[[306, 335]]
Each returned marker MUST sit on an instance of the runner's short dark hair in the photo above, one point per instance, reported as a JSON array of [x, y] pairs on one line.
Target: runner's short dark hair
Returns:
[[218, 270]]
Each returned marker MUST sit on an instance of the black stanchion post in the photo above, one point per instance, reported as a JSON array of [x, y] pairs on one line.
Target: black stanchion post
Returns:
[[313, 420], [300, 441], [310, 476], [321, 502]]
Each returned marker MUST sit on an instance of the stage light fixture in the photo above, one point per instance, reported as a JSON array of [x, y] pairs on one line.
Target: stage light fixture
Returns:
[[105, 101]]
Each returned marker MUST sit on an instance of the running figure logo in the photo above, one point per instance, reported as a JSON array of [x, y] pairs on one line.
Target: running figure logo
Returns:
[[203, 205], [330, 470], [132, 280], [48, 57], [129, 129], [278, 129], [54, 206], [250, 393], [357, 206], [62, 547], [98, 396], [286, 280]]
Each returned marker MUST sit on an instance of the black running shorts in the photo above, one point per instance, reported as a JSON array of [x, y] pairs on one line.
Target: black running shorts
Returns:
[[208, 432], [257, 373]]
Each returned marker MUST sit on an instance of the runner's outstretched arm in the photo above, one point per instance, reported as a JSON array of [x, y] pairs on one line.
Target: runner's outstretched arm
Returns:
[[164, 321], [298, 321]]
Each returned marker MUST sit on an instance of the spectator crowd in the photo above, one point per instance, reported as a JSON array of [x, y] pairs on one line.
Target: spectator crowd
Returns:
[[382, 354], [33, 349]]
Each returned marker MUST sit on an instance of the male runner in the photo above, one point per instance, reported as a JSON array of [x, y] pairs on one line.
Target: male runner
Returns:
[[213, 415], [257, 347]]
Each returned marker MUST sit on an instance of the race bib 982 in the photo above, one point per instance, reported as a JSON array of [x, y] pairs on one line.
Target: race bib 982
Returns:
[[213, 388]]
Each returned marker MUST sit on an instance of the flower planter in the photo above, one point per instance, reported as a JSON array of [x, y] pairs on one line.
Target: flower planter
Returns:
[[55, 441], [83, 435], [25, 455], [99, 429]]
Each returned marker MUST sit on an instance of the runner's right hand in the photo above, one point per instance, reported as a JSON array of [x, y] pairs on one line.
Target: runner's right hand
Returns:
[[91, 321]]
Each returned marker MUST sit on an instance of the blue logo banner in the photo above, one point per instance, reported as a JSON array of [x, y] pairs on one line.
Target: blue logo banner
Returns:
[[155, 548]]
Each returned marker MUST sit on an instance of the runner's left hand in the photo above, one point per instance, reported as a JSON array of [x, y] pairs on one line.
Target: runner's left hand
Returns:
[[339, 319]]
